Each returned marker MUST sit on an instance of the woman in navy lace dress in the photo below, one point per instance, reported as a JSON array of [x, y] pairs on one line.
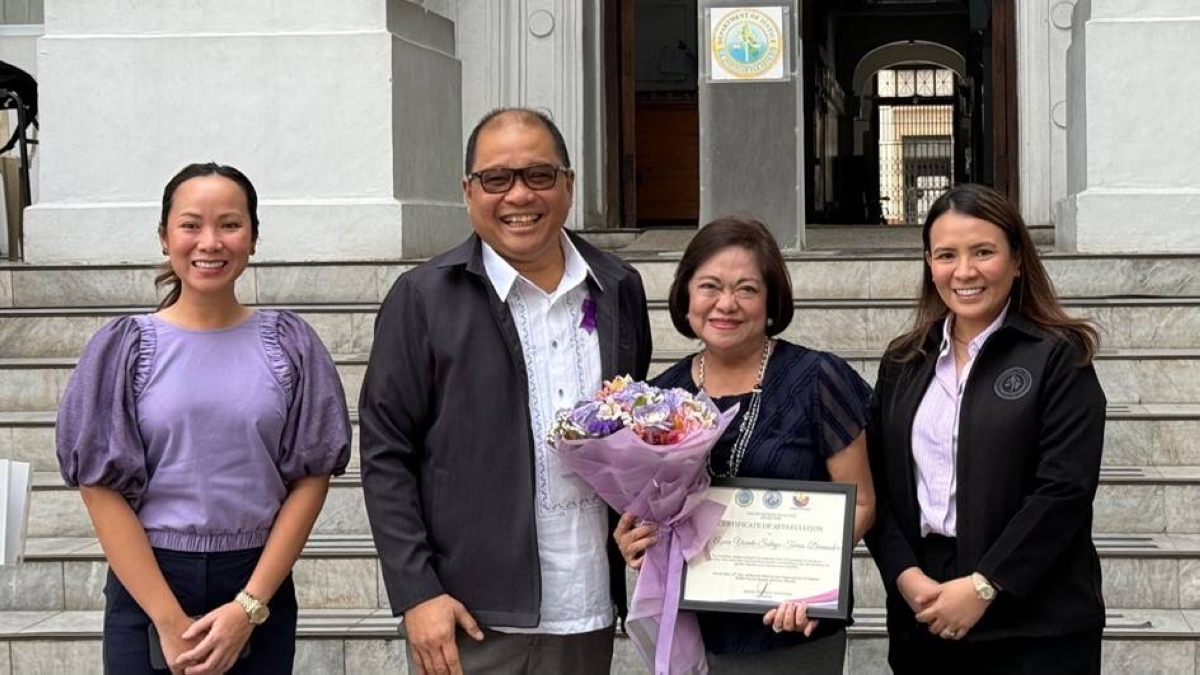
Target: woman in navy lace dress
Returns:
[[801, 417]]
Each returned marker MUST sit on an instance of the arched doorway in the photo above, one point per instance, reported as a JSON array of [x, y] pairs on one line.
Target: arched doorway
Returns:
[[915, 109], [905, 98]]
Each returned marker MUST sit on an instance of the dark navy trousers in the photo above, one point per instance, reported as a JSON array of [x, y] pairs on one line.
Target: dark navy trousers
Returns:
[[201, 582]]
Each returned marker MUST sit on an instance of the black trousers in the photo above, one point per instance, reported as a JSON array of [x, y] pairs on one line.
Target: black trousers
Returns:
[[201, 582], [914, 650]]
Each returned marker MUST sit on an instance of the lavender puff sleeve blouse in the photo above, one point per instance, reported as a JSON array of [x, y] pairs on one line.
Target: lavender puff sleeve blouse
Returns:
[[203, 431]]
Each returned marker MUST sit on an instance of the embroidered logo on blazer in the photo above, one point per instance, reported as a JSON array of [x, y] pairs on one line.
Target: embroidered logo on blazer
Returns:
[[1013, 383]]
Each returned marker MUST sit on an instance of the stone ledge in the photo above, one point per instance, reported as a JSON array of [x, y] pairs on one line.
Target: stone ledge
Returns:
[[660, 355], [653, 305], [651, 257], [1147, 624], [327, 545], [1117, 411]]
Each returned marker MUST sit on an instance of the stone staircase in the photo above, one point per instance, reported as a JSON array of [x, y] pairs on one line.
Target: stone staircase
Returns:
[[1147, 522]]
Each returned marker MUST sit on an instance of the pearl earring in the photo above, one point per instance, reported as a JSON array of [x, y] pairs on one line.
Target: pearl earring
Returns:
[[770, 321]]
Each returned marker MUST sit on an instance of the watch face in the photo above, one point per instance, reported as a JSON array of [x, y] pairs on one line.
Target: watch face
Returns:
[[260, 614]]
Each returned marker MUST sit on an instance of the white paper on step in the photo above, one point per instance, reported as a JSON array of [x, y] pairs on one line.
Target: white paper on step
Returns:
[[15, 486]]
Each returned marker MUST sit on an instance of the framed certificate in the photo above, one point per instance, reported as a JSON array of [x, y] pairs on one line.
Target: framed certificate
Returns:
[[778, 540]]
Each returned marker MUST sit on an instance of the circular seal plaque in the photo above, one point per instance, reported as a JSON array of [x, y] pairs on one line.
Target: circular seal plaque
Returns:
[[746, 43]]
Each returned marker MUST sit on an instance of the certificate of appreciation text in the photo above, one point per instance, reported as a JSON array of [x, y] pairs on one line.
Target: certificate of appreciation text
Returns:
[[778, 540]]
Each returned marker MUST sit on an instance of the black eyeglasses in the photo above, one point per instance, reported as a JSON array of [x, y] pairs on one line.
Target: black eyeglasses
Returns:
[[501, 179]]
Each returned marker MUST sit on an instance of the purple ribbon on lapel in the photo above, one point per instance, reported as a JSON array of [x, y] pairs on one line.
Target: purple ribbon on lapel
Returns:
[[588, 322]]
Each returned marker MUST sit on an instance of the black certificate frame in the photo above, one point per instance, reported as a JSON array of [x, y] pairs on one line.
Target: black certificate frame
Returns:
[[761, 486]]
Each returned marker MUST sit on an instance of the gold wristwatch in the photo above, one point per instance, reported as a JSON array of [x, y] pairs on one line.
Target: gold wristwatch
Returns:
[[983, 588], [255, 609]]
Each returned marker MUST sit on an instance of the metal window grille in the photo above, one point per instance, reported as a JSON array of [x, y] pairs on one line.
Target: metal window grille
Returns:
[[916, 140]]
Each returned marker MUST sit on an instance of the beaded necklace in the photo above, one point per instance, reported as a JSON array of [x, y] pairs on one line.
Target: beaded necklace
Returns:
[[748, 420]]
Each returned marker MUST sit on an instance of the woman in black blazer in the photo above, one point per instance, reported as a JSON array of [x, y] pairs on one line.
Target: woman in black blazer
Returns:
[[985, 435]]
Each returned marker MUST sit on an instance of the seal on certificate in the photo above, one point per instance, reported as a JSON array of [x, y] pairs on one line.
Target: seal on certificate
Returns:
[[772, 499], [744, 498], [746, 43]]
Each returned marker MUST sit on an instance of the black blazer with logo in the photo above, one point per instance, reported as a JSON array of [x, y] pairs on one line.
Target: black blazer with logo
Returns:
[[1031, 435]]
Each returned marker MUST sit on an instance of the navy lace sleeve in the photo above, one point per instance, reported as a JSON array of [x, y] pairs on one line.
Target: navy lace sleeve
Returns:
[[840, 404]]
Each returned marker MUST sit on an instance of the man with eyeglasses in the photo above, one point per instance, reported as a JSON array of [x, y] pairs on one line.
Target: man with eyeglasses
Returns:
[[499, 561]]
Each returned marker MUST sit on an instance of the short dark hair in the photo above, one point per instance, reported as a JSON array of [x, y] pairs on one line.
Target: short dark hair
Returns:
[[717, 236], [522, 116], [166, 276]]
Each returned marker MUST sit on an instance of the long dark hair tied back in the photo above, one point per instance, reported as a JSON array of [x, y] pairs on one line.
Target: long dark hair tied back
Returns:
[[166, 275]]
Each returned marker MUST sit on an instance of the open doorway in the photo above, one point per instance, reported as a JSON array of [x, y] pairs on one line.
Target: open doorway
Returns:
[[653, 103], [902, 99], [907, 99]]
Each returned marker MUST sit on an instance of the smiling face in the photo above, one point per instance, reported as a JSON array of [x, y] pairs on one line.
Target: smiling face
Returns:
[[727, 301], [522, 225], [207, 235], [973, 269]]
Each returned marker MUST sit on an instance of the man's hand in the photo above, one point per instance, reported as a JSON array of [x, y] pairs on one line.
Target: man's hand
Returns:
[[917, 588], [431, 626]]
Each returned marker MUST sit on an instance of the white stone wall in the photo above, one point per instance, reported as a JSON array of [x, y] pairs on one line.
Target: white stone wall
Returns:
[[317, 102], [351, 117], [1132, 169]]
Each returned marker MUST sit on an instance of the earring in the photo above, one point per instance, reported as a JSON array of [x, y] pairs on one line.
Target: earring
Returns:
[[770, 321]]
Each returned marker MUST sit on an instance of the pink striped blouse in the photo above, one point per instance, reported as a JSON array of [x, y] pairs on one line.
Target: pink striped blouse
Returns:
[[935, 433]]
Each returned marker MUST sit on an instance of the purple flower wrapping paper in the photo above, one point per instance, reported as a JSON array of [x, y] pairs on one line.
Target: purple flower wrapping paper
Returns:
[[663, 484]]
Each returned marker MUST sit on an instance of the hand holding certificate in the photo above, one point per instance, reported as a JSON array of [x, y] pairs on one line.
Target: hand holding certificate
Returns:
[[778, 540]]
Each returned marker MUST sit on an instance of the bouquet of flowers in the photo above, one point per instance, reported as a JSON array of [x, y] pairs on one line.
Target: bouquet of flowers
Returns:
[[644, 450]]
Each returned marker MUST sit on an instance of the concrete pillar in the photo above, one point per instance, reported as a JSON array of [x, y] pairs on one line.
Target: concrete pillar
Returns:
[[540, 54], [1132, 175], [1043, 36], [346, 116], [751, 140]]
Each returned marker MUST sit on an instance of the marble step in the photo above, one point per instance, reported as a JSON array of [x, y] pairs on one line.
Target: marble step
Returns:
[[835, 325], [365, 642], [1130, 500], [815, 275], [1128, 375], [1139, 435], [342, 572]]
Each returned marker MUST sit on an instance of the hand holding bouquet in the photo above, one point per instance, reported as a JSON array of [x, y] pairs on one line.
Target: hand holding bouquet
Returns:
[[644, 450]]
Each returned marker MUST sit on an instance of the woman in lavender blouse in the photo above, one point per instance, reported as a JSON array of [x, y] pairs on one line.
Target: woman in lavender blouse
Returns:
[[202, 438], [985, 436]]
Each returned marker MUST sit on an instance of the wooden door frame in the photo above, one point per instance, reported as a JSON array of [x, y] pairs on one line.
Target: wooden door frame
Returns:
[[1005, 136], [620, 91]]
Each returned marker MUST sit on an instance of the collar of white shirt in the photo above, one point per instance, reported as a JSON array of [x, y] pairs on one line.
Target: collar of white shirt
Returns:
[[503, 276], [976, 343]]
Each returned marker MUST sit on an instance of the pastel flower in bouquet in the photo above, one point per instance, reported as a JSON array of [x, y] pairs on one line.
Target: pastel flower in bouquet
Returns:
[[644, 450], [657, 416]]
